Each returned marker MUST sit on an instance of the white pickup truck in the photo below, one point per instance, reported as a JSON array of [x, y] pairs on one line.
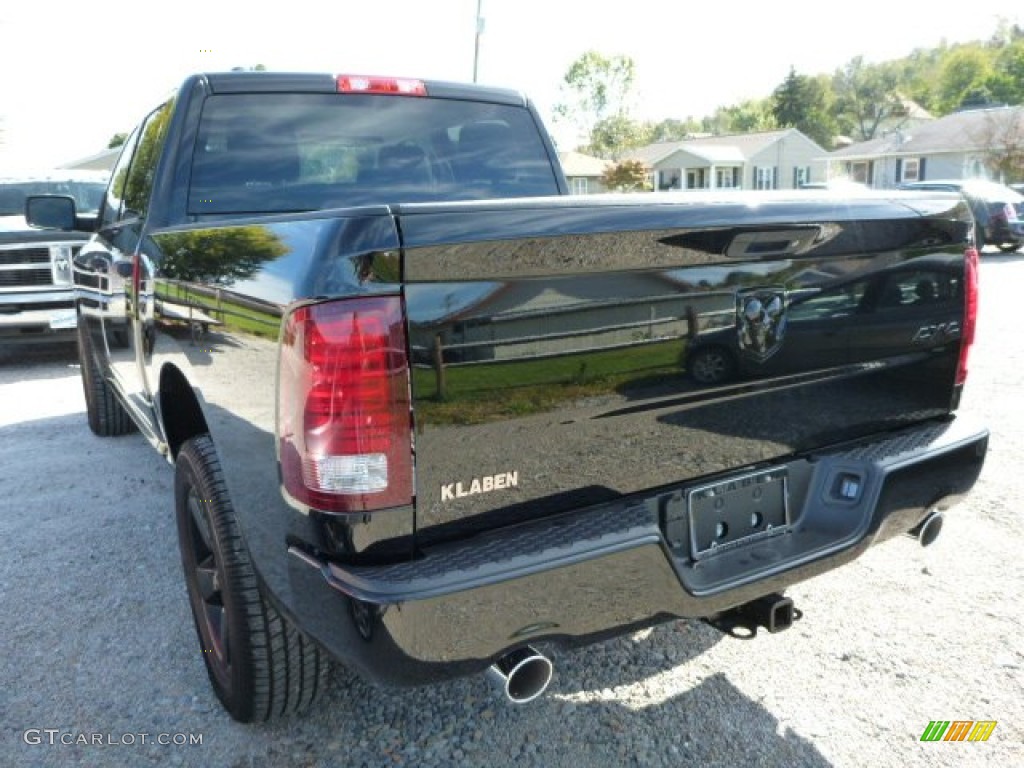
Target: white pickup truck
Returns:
[[35, 264]]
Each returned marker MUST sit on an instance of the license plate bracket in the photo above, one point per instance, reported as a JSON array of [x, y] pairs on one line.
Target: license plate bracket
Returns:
[[737, 511], [63, 319]]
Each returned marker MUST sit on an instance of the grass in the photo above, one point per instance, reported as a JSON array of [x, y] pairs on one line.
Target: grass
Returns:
[[232, 315], [486, 392]]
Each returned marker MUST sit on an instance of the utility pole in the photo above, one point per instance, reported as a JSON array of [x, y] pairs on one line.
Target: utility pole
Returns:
[[476, 42]]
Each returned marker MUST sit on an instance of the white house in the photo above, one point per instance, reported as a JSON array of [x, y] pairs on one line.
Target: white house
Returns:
[[784, 159], [583, 172], [952, 147]]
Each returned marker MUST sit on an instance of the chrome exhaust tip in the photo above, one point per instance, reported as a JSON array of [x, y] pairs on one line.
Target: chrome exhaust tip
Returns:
[[522, 675], [928, 530]]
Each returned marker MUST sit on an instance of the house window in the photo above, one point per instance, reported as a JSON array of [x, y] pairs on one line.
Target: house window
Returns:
[[580, 186], [696, 178], [801, 176], [727, 177], [911, 169], [765, 178], [670, 179], [862, 172]]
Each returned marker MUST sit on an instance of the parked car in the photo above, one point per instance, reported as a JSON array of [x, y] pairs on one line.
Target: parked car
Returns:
[[998, 210], [86, 187], [35, 262]]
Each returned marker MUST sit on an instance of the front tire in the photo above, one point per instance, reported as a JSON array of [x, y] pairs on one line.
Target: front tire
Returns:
[[712, 365], [1008, 247], [259, 664], [107, 415]]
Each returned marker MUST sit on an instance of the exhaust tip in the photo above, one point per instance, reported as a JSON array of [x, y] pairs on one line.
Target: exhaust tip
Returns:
[[928, 531], [522, 675]]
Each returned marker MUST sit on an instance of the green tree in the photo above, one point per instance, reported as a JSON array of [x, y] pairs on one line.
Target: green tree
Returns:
[[117, 140], [613, 136], [746, 117], [594, 88], [671, 129], [1007, 81], [965, 72], [627, 176], [806, 103], [865, 96], [220, 257]]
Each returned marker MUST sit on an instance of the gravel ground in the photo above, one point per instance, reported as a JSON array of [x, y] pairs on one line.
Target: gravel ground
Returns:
[[98, 642]]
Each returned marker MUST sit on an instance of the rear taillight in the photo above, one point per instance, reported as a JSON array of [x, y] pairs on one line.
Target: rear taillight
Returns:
[[1002, 214], [398, 86], [970, 312], [343, 422]]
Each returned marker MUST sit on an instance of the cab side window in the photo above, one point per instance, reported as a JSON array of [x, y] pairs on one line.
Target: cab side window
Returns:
[[142, 171], [132, 178], [113, 200]]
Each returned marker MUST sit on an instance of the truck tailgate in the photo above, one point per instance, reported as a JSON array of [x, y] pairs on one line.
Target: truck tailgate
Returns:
[[566, 354]]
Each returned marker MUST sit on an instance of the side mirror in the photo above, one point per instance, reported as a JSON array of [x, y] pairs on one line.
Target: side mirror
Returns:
[[50, 211]]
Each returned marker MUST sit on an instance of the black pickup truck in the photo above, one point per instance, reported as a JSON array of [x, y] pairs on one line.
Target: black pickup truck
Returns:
[[428, 412]]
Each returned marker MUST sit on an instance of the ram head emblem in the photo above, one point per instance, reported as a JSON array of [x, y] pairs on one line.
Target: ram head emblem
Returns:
[[760, 321]]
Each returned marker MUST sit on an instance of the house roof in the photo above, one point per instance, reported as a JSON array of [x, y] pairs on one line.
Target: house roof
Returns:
[[958, 132], [577, 164], [746, 144], [911, 110], [715, 153]]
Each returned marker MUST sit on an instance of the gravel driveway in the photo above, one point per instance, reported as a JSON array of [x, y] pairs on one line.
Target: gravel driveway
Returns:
[[99, 649]]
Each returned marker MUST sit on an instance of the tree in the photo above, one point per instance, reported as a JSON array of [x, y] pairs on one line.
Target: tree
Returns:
[[594, 88], [671, 129], [805, 103], [223, 258], [613, 136], [117, 140], [745, 117], [627, 176], [1002, 141], [866, 95], [1007, 82], [965, 71]]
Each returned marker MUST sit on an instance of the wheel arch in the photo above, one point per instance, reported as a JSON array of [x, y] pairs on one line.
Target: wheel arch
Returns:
[[180, 412]]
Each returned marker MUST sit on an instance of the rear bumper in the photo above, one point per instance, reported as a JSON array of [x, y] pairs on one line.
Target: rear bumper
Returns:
[[609, 569]]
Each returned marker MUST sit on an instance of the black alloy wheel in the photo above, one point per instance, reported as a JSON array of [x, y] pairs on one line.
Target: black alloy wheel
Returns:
[[260, 666]]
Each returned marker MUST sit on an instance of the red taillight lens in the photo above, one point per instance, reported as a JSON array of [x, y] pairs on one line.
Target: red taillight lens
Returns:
[[398, 86], [343, 411], [970, 312]]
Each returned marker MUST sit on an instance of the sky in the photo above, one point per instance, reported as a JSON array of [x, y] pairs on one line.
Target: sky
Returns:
[[72, 74]]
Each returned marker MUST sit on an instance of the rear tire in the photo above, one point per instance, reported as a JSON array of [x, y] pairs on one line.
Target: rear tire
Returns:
[[107, 415], [259, 664], [1008, 247], [979, 237]]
